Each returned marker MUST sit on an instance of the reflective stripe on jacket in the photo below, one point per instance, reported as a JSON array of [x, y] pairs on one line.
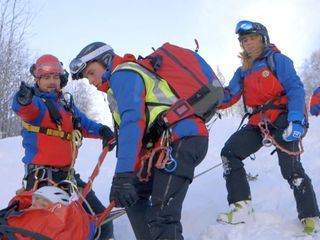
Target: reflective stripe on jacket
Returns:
[[158, 97]]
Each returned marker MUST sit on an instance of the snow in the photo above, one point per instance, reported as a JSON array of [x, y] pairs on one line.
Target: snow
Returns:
[[273, 202]]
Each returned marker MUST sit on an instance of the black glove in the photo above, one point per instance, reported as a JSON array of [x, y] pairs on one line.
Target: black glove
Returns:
[[123, 192], [107, 136], [25, 94]]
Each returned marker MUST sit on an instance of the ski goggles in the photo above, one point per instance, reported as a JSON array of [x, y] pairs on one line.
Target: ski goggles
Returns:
[[48, 68], [77, 65], [245, 27]]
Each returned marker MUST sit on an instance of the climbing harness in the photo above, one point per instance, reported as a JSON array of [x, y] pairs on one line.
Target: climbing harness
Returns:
[[268, 140], [48, 131], [164, 160]]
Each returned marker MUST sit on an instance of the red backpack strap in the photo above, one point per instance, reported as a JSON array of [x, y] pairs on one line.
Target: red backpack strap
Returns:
[[128, 57]]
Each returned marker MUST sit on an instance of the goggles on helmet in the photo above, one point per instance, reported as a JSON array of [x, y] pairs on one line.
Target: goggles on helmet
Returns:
[[245, 27], [77, 65], [47, 68]]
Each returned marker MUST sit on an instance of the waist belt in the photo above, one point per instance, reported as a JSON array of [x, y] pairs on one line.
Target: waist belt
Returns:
[[33, 167], [252, 111], [47, 131], [263, 108]]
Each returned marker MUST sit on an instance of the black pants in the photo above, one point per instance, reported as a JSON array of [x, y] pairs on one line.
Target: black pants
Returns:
[[157, 213], [247, 141], [94, 202]]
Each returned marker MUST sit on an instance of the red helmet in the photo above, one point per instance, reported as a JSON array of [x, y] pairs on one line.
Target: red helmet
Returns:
[[46, 64]]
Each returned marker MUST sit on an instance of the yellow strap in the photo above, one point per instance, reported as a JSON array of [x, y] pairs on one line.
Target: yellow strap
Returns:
[[75, 139], [30, 127], [75, 144], [48, 131]]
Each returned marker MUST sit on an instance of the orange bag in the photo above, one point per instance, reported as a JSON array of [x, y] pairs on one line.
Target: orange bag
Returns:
[[57, 222]]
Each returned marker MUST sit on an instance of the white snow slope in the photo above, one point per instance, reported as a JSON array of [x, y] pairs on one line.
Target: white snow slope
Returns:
[[273, 202]]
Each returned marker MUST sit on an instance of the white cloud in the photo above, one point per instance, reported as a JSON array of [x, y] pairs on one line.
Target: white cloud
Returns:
[[292, 25]]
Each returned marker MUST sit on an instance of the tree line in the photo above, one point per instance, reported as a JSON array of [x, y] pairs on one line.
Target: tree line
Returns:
[[15, 61]]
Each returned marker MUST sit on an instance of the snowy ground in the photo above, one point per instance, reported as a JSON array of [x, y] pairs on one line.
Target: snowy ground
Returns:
[[275, 214]]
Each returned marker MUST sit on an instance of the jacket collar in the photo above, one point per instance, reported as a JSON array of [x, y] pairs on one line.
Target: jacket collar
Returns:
[[53, 95]]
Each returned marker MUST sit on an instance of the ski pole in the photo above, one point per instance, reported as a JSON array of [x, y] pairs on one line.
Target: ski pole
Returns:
[[215, 166]]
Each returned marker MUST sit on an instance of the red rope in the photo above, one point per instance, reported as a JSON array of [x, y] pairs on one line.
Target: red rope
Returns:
[[268, 136], [95, 172], [162, 160], [160, 163], [104, 214], [144, 160]]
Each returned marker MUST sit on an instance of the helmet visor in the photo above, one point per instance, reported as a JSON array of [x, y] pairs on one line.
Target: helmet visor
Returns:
[[47, 68]]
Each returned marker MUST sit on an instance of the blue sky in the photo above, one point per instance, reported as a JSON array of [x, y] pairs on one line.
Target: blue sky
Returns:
[[63, 27]]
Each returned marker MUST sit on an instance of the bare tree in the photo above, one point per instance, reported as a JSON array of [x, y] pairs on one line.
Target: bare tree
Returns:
[[311, 73], [237, 109], [14, 20], [81, 94], [90, 101]]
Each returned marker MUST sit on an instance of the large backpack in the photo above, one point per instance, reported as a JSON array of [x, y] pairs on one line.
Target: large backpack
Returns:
[[190, 77]]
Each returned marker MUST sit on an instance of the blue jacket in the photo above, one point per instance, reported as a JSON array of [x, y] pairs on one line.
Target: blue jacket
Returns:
[[315, 102], [262, 86], [40, 148]]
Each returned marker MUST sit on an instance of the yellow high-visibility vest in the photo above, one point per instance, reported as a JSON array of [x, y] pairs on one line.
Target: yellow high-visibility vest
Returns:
[[159, 96]]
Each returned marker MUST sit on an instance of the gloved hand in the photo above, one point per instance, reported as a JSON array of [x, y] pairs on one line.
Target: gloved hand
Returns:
[[108, 137], [25, 94], [315, 110], [123, 192], [293, 132], [315, 102]]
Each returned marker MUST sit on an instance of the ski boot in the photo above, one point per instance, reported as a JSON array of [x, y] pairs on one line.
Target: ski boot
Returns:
[[240, 212], [310, 225]]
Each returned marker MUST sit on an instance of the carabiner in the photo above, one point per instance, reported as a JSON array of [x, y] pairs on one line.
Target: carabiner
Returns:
[[171, 165], [43, 169], [267, 142]]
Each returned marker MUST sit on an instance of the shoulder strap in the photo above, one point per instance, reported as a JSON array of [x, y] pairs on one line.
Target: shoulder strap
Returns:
[[242, 94], [6, 230], [70, 107], [12, 206], [53, 111], [271, 64]]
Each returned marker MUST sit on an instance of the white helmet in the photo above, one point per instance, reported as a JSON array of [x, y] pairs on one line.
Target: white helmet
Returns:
[[53, 194]]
